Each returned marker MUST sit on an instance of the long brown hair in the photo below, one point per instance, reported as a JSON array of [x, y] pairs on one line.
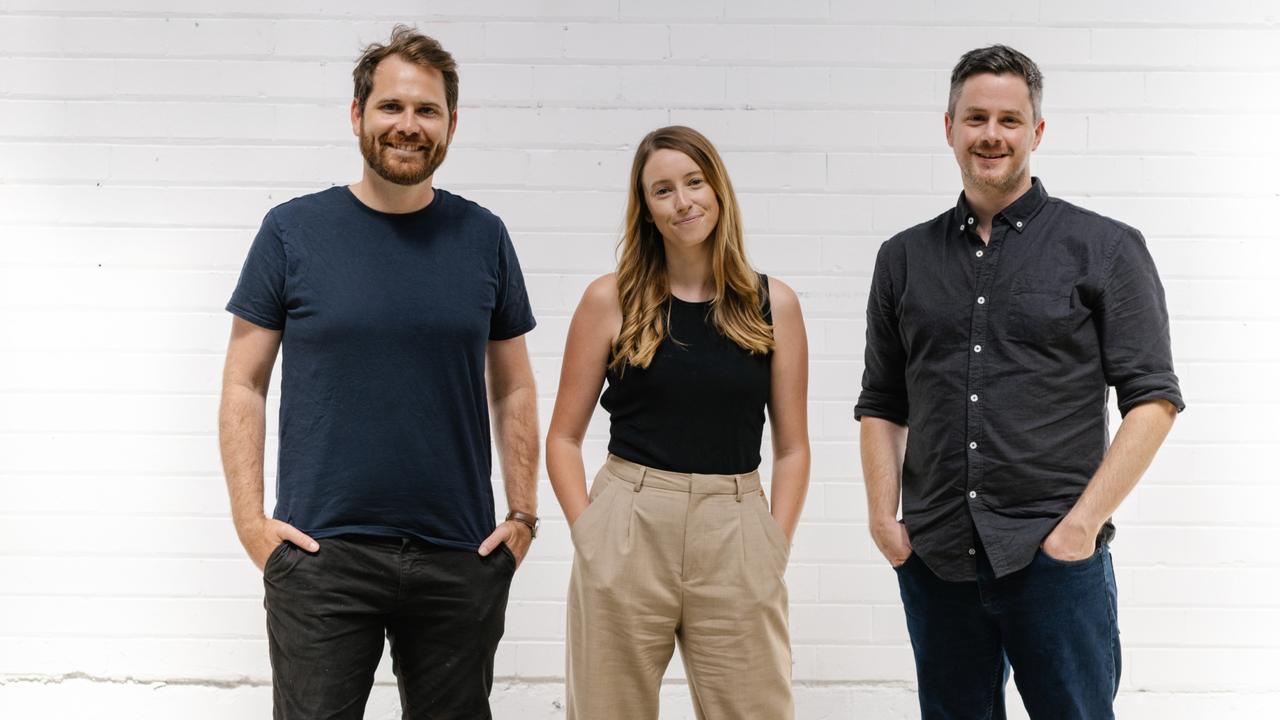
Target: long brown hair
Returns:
[[644, 291]]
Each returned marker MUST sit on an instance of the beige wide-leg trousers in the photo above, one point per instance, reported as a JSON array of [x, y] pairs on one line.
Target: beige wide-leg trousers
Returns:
[[665, 557]]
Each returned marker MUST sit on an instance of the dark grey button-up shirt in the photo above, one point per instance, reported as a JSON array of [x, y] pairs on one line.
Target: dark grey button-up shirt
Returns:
[[998, 358]]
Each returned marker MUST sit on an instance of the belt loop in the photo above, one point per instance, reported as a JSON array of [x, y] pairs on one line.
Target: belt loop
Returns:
[[737, 488], [640, 483]]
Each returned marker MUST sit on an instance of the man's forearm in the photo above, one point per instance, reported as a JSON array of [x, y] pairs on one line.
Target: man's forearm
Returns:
[[241, 436], [515, 419], [883, 444], [1139, 437]]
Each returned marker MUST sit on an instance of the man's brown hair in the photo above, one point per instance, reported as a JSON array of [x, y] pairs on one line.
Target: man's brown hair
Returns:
[[411, 46], [997, 60]]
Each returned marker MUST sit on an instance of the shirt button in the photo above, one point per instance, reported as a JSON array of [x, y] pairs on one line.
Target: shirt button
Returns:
[[970, 221], [979, 253], [977, 348], [1019, 224], [972, 551], [973, 446], [973, 494], [982, 300], [973, 398]]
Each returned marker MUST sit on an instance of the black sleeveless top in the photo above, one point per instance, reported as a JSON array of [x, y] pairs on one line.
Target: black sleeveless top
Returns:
[[699, 406]]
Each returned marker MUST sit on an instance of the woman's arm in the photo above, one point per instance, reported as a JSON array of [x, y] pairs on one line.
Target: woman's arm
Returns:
[[788, 407], [595, 324]]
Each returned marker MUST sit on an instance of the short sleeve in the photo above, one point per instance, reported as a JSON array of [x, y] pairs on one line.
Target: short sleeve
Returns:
[[1133, 327], [259, 296], [884, 384], [512, 315]]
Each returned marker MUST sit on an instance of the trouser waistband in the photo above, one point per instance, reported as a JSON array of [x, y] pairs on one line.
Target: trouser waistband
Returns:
[[641, 476]]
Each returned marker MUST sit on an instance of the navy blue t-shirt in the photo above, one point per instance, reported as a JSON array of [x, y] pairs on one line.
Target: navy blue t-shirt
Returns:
[[384, 423]]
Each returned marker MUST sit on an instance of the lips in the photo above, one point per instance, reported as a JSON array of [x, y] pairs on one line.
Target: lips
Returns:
[[688, 220], [990, 155], [404, 147]]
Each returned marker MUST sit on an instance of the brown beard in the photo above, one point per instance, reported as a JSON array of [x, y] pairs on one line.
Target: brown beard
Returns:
[[373, 150]]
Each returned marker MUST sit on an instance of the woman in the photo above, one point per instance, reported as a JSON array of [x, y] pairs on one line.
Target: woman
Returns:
[[676, 541]]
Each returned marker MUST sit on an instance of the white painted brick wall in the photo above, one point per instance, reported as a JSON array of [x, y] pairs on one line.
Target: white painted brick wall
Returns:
[[141, 142]]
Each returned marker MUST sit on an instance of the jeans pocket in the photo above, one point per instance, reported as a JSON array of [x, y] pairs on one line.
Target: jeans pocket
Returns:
[[1051, 560]]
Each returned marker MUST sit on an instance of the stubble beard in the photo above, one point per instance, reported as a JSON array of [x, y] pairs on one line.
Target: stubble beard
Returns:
[[1002, 184], [375, 152]]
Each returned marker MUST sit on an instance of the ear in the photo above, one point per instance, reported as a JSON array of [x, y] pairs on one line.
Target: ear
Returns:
[[355, 117], [453, 125], [1039, 134], [946, 124]]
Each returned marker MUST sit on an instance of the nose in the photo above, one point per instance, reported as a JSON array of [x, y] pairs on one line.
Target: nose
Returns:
[[990, 131], [682, 199], [405, 122]]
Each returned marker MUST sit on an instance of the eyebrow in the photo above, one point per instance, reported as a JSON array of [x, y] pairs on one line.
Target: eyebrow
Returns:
[[686, 175], [973, 109], [425, 103]]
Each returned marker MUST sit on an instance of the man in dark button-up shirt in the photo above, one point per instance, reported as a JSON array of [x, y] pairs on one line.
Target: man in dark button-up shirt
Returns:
[[994, 332]]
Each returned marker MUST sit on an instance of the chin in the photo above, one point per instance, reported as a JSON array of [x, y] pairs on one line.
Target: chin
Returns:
[[991, 178], [695, 242], [391, 158]]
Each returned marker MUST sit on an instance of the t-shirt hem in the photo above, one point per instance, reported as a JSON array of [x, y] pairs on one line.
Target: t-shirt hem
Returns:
[[379, 531], [516, 332], [253, 317]]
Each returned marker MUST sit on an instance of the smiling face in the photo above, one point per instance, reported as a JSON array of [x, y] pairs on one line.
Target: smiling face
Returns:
[[405, 128], [680, 202], [993, 134]]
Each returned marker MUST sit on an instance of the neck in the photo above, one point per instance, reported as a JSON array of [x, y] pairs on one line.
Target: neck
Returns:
[[388, 197], [986, 202], [689, 272]]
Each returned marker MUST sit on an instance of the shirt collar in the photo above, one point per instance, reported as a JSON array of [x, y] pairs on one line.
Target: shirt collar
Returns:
[[1018, 214]]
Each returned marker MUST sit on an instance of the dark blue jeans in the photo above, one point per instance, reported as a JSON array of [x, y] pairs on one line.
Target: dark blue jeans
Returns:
[[1053, 621]]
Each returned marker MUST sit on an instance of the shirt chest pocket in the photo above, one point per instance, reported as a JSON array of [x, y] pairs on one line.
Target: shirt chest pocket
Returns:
[[1040, 314]]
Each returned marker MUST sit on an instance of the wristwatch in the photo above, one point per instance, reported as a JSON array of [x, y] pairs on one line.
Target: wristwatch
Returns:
[[530, 521]]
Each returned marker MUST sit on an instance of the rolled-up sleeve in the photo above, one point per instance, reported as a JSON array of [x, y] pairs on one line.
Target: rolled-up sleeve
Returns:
[[1133, 322], [884, 386]]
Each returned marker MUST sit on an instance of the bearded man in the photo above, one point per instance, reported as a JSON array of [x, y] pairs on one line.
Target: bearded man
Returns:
[[995, 331], [401, 310]]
